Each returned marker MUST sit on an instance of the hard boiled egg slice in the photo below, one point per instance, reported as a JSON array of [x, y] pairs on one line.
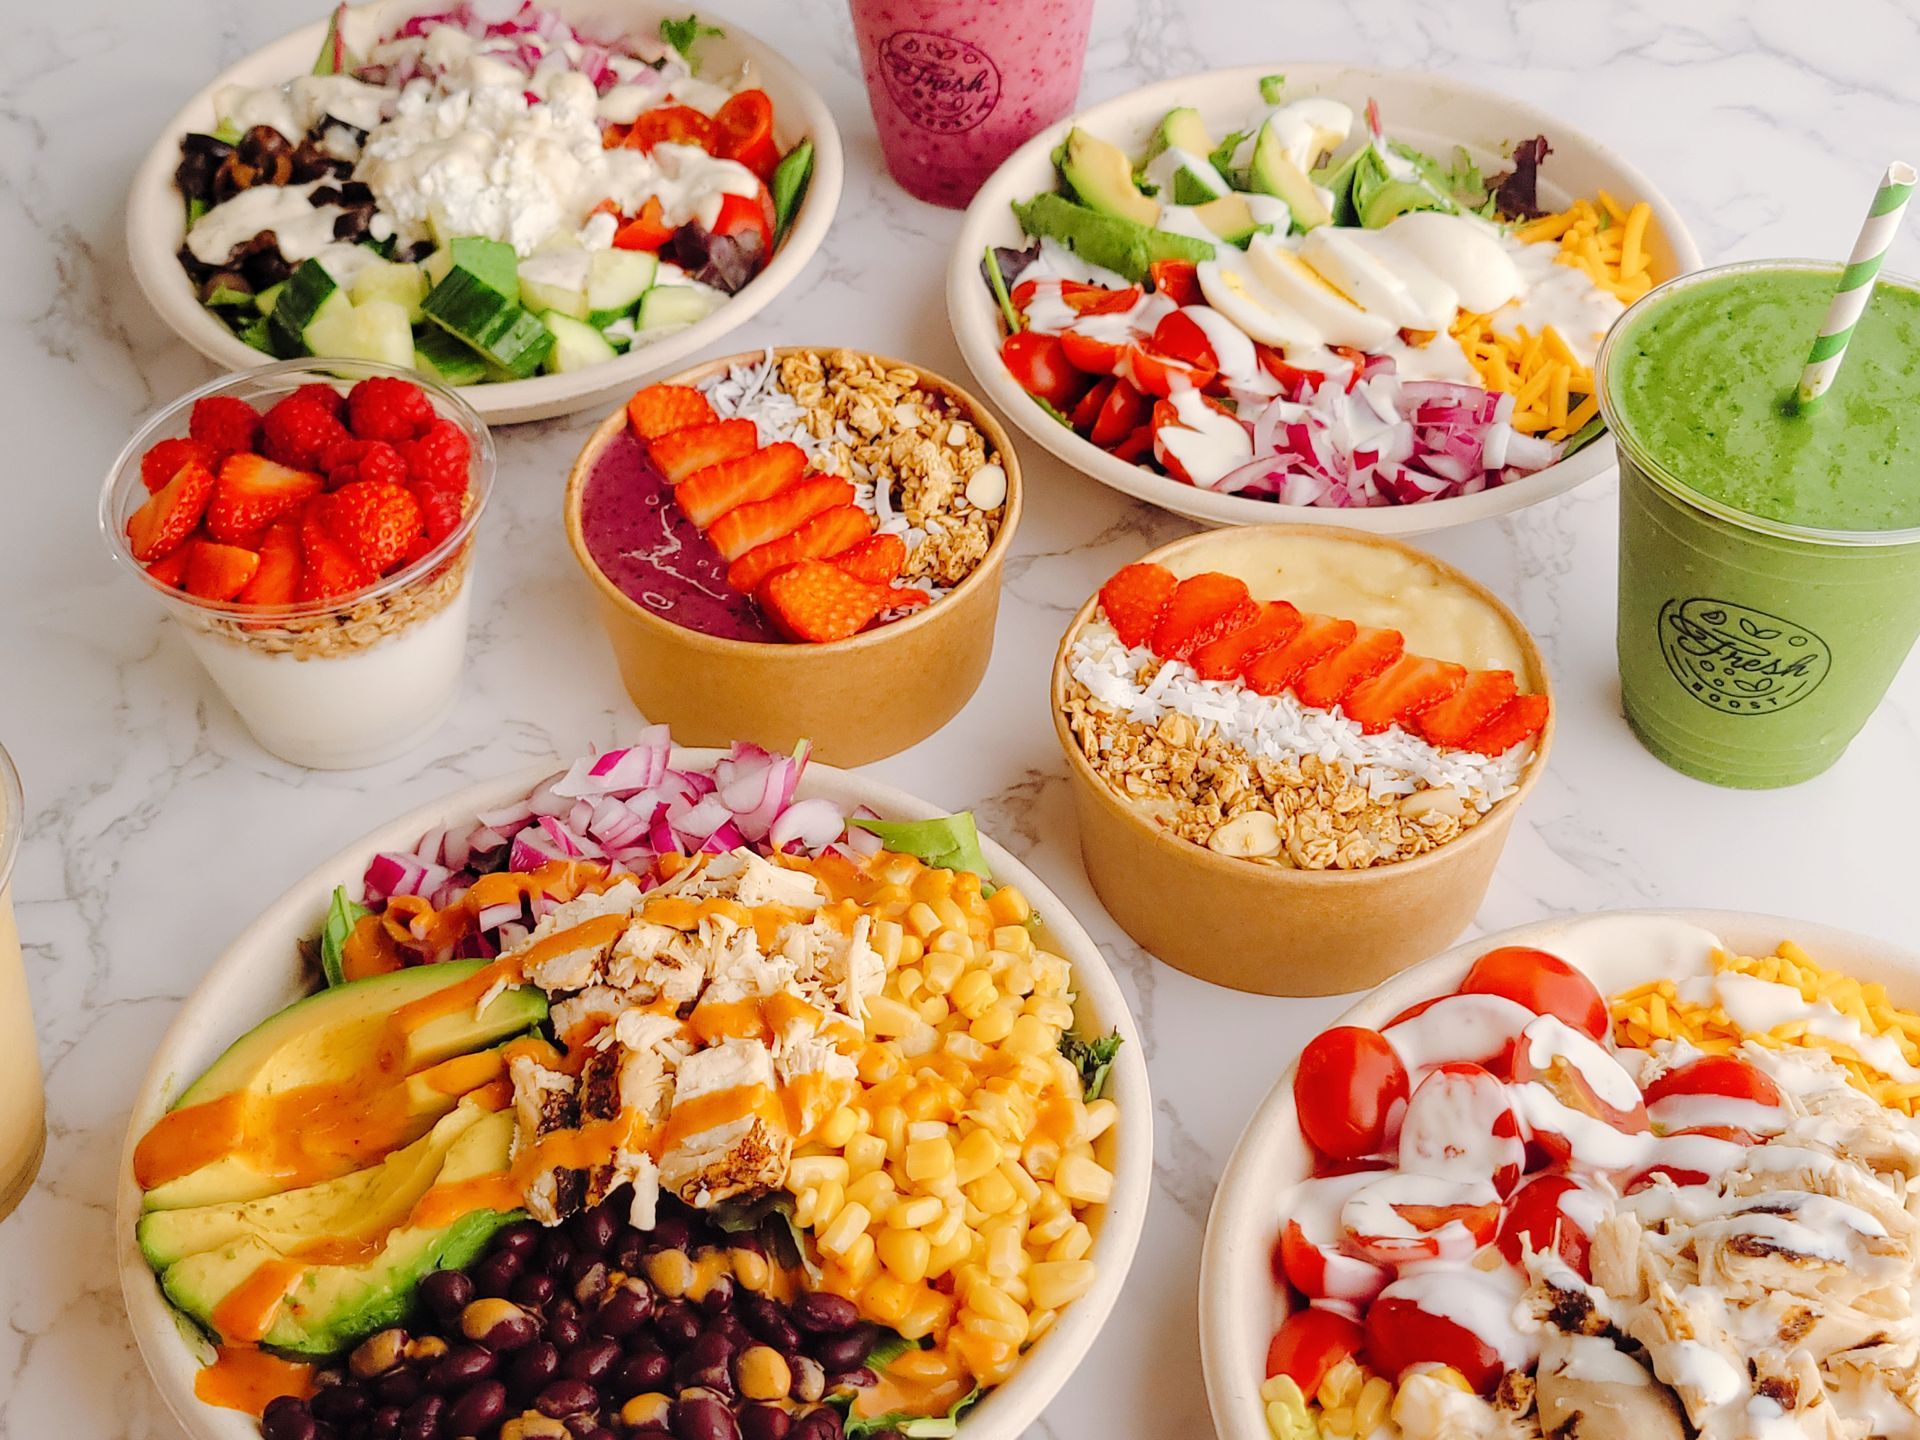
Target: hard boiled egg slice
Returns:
[[1336, 319], [1247, 303], [1464, 252], [1379, 276]]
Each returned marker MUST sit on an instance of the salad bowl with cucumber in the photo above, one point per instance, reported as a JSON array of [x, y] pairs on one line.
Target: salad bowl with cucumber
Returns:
[[540, 201], [1311, 293]]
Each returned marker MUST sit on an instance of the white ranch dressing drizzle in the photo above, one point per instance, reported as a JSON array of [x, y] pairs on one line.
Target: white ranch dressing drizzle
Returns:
[[1458, 1027]]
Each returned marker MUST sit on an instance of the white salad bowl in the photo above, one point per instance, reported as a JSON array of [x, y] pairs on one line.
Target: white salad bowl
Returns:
[[156, 215], [1430, 111], [263, 971], [1240, 1305]]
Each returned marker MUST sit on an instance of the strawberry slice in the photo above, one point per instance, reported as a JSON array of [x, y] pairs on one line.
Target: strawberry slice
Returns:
[[220, 572], [826, 534], [376, 520], [814, 601], [678, 453], [1455, 719], [1318, 637], [171, 570], [1204, 607], [1406, 688], [748, 526], [1230, 655], [252, 493], [327, 567], [1134, 599], [706, 495], [1326, 683], [163, 461], [279, 573], [1521, 718], [878, 559], [660, 409], [162, 525]]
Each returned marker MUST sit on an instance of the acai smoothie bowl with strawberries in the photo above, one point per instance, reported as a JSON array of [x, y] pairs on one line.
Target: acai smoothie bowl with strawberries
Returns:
[[798, 542], [1296, 752]]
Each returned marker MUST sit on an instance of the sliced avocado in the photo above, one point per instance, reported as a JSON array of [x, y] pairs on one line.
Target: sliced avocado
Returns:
[[337, 1034], [1273, 173], [1181, 128], [333, 1307], [361, 1206], [1394, 198], [1228, 217], [1102, 176], [1106, 240]]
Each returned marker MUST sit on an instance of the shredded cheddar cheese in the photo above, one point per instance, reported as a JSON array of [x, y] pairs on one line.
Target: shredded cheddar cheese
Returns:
[[1656, 1011]]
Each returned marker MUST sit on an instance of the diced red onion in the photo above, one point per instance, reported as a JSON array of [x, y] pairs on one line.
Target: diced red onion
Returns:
[[811, 824]]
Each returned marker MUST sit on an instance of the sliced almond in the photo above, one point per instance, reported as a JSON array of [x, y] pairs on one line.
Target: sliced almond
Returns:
[[1251, 836]]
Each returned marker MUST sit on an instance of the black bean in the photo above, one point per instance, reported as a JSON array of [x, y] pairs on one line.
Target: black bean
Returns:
[[460, 1367], [819, 1313], [324, 1431], [670, 1232], [589, 1277], [809, 1380], [565, 1396], [446, 1293], [593, 1230], [706, 1362], [556, 1253], [643, 1370], [479, 1408], [397, 1387], [532, 1368], [286, 1418], [498, 1324], [582, 1426], [768, 1322], [624, 1308], [698, 1416], [719, 1295], [384, 1423], [351, 224], [820, 1423], [495, 1275], [737, 1335], [565, 1328], [533, 1289], [592, 1360], [212, 146], [627, 1251], [340, 1404], [423, 1416], [521, 1238], [759, 1421], [265, 265], [676, 1323], [598, 1432], [858, 1379], [846, 1351]]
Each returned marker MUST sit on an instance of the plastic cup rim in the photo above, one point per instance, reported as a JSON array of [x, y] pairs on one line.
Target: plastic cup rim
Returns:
[[1671, 484], [155, 426]]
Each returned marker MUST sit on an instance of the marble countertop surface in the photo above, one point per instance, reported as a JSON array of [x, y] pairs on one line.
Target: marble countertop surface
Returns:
[[157, 827]]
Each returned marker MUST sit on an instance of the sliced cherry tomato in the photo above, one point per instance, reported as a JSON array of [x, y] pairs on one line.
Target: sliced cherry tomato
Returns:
[[1545, 984], [1481, 1028], [1357, 359], [743, 131], [1292, 376], [1694, 1157], [1084, 353], [1136, 447], [747, 214], [1161, 375], [1585, 1079], [1309, 1343], [1078, 296], [1460, 1125], [1402, 1219], [1041, 366], [670, 125], [1123, 411], [1087, 413], [1166, 416], [1535, 1215], [1400, 1335], [646, 231], [1179, 336], [1349, 1088], [1178, 280]]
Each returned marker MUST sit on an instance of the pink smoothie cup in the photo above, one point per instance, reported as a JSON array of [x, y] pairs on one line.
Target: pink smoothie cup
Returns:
[[957, 85]]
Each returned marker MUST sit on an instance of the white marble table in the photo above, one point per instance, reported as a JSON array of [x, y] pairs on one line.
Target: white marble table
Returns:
[[158, 827]]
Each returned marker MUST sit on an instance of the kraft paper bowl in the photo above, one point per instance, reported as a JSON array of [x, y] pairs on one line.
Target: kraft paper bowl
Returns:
[[859, 699], [1269, 929]]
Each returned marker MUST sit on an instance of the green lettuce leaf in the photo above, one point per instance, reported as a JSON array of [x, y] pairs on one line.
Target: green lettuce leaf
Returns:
[[342, 915], [914, 1427], [950, 843], [683, 34], [1584, 436], [1093, 1059], [789, 186], [1272, 87]]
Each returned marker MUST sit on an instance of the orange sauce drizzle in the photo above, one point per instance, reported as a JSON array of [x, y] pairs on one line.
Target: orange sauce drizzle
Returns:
[[246, 1312], [243, 1378], [719, 1107]]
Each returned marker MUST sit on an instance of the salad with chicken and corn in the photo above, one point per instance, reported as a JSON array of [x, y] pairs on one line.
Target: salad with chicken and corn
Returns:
[[1311, 312], [1685, 1211], [658, 1098], [485, 192]]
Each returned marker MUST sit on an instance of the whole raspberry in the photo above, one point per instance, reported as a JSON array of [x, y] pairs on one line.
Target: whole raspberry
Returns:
[[349, 460], [163, 461], [326, 395], [440, 457], [225, 424], [298, 431], [440, 510], [384, 408]]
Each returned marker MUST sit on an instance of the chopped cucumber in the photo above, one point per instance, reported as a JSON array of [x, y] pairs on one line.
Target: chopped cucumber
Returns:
[[254, 332], [559, 240], [479, 302], [436, 266], [789, 186], [556, 281], [229, 292], [666, 305], [576, 344], [447, 359], [378, 330], [301, 298], [404, 284], [266, 299], [616, 279]]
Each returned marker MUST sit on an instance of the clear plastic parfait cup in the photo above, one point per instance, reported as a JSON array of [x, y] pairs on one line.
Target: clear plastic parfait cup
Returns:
[[352, 679]]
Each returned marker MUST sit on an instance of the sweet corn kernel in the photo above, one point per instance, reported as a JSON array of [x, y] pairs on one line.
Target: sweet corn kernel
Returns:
[[973, 993], [1101, 1114], [890, 1124], [1043, 1232], [1050, 1204], [1030, 1036], [886, 942], [861, 1262], [877, 1064], [949, 1252], [839, 1127], [1074, 1245], [993, 1025], [922, 919], [1050, 1010], [1084, 1181], [932, 883], [952, 1221], [1053, 1283], [977, 1153], [915, 1212], [886, 1299], [1014, 939], [991, 1360], [932, 1009], [1370, 1410], [1005, 1254], [818, 1204], [952, 917], [926, 1130], [926, 1159], [924, 1104], [908, 981], [906, 1253], [987, 1301], [811, 1170], [963, 1046], [846, 1227], [1008, 906], [887, 1016], [1041, 1157], [952, 942], [930, 1311], [992, 1193], [911, 949], [1039, 1322], [1025, 1188], [865, 1153], [873, 1190], [943, 970], [1018, 977]]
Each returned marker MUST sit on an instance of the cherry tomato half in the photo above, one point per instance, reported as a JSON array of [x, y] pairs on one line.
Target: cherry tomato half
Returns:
[[1179, 337], [1400, 1334], [1724, 1075], [1178, 280], [1545, 984], [1717, 1095], [670, 125], [1481, 1028], [1349, 1087], [1534, 1215], [1159, 374], [747, 214], [646, 231], [1461, 1125], [1292, 377], [1087, 412], [1078, 296], [1584, 1078], [743, 131], [1403, 1219], [1041, 366], [1123, 411], [1084, 353], [1309, 1343]]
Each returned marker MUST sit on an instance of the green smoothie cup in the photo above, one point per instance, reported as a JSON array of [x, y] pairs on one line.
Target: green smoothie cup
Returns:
[[1769, 561]]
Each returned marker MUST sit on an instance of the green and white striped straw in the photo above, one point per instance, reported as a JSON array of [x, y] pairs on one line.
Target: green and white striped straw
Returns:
[[1856, 282]]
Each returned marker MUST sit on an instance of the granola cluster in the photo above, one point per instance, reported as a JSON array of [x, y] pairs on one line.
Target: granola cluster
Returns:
[[358, 626], [914, 445], [1304, 814]]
